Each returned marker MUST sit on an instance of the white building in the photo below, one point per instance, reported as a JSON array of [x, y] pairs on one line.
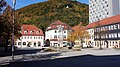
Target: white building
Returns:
[[90, 30], [57, 33], [31, 37], [101, 9]]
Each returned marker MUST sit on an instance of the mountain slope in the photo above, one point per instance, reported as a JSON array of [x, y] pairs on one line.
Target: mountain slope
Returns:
[[44, 13]]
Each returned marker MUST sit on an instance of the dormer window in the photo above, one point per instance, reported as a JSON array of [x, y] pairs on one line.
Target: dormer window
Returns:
[[25, 32], [37, 32], [31, 32]]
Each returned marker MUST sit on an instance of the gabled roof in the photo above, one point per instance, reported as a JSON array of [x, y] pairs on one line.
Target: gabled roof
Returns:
[[58, 22], [31, 28], [55, 24], [107, 21]]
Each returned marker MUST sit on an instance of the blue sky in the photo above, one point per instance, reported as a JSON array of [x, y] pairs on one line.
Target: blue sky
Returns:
[[22, 3]]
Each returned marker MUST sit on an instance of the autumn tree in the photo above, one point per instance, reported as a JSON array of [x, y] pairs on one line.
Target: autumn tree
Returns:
[[79, 33], [6, 26]]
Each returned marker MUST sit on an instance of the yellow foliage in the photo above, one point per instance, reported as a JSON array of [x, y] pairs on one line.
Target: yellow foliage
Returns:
[[79, 33]]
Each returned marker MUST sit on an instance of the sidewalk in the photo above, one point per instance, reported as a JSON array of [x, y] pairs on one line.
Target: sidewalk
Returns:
[[55, 55], [28, 57]]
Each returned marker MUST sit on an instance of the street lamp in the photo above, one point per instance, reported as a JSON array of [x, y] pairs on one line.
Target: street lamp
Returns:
[[14, 2]]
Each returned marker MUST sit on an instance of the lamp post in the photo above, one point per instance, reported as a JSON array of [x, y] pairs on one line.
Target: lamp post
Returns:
[[14, 2]]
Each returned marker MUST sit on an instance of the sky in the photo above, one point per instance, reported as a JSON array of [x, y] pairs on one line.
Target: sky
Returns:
[[23, 3]]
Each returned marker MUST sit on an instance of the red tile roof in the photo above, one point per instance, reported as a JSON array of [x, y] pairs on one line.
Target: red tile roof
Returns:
[[107, 21], [58, 22], [31, 28], [55, 24]]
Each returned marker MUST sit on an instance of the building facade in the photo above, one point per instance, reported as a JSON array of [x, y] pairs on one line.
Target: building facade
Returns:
[[57, 33], [101, 9], [31, 37], [106, 32]]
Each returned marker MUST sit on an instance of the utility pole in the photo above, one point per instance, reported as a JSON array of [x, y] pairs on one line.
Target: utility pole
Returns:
[[14, 3]]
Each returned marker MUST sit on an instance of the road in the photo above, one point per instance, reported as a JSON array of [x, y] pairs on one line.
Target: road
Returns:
[[84, 58]]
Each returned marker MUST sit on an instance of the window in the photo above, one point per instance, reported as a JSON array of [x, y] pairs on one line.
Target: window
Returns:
[[55, 31], [25, 32], [35, 44], [31, 32], [64, 31], [24, 43], [19, 43], [115, 35], [39, 37], [39, 44], [28, 37], [55, 36], [64, 36], [118, 26], [115, 27], [37, 32], [25, 37]]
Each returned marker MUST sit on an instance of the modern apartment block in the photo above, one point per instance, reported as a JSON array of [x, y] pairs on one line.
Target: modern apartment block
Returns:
[[101, 9]]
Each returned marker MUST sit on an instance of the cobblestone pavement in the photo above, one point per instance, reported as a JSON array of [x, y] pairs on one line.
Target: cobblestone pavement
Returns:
[[91, 57]]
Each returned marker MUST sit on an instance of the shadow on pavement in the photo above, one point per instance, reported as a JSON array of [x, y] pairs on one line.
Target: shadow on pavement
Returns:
[[19, 52], [78, 61]]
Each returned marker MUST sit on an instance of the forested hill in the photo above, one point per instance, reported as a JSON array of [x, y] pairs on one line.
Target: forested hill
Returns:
[[44, 13]]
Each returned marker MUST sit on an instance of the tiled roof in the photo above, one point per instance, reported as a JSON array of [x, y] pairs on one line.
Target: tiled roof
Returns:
[[31, 28], [107, 21], [58, 22], [55, 24], [32, 34]]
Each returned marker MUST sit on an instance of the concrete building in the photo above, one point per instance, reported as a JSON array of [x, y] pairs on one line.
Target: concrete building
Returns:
[[31, 37], [57, 33], [101, 9]]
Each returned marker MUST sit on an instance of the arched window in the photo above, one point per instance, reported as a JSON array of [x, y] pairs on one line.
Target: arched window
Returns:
[[24, 43], [39, 43]]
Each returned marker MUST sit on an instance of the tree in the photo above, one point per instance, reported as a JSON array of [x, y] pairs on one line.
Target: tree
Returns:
[[2, 4], [6, 26], [79, 33]]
